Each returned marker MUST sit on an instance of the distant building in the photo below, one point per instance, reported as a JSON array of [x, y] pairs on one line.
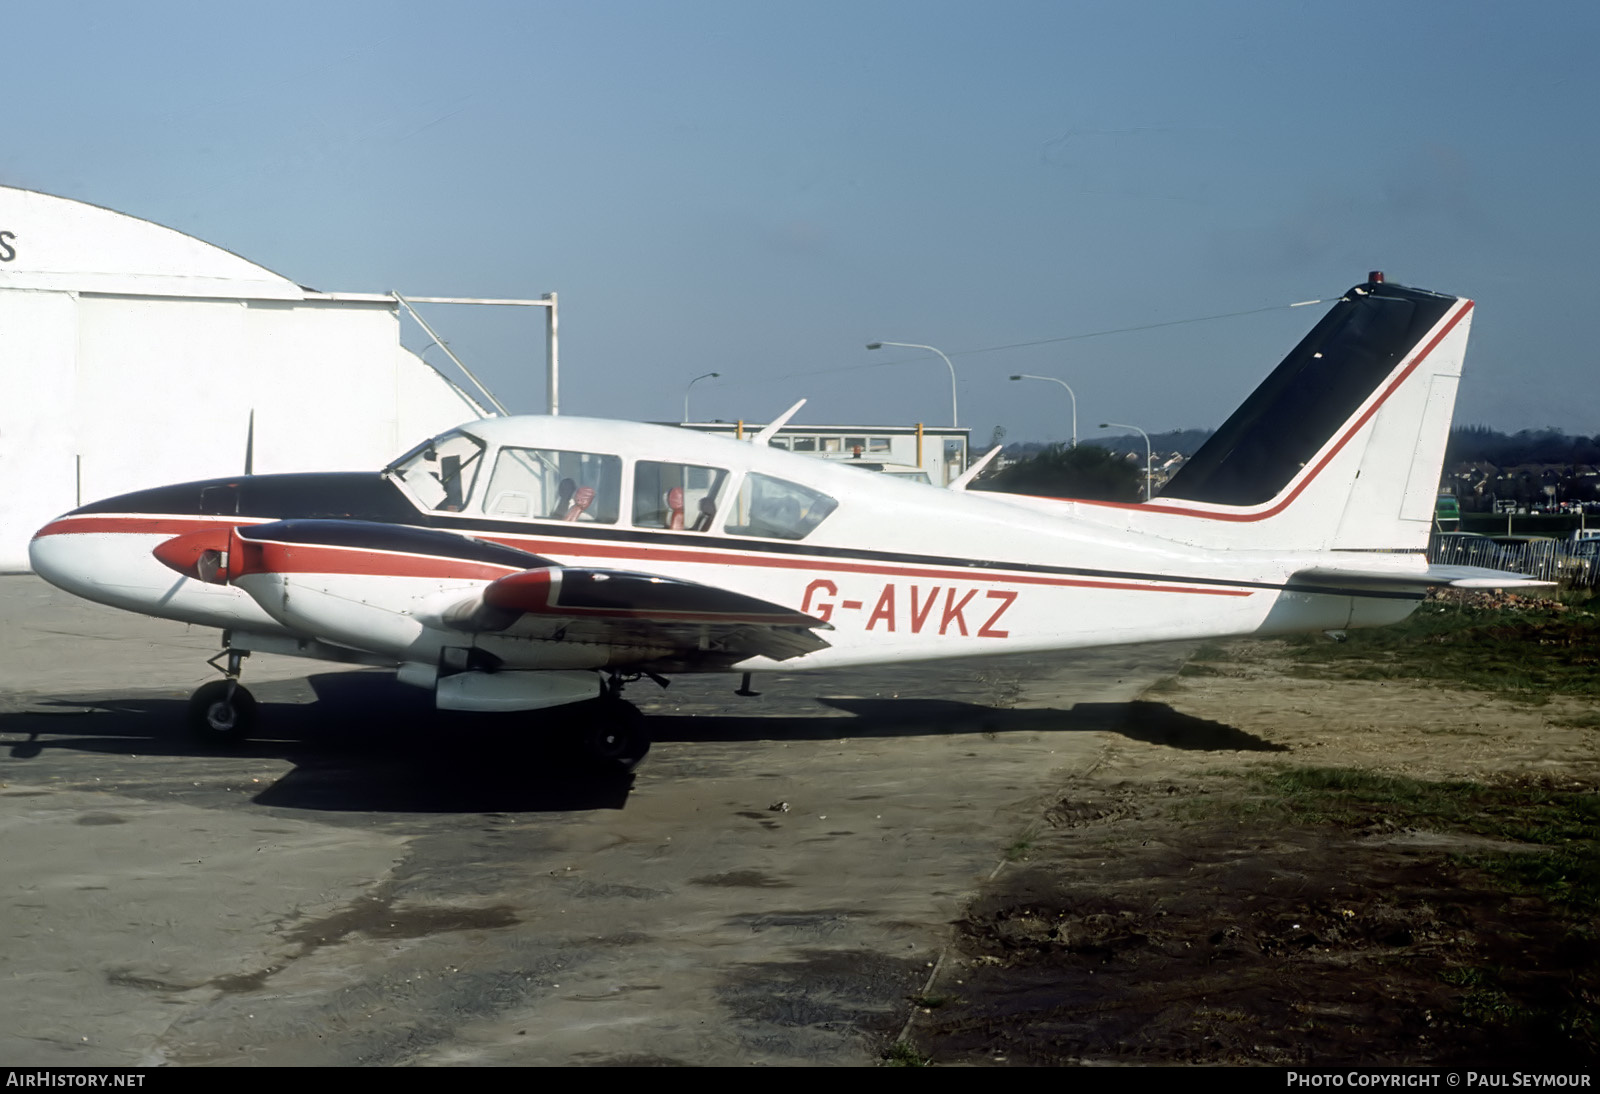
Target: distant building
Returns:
[[132, 355], [941, 451]]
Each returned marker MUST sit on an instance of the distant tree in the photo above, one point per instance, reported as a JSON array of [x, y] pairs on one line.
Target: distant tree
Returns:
[[1060, 471], [1186, 441], [1472, 443]]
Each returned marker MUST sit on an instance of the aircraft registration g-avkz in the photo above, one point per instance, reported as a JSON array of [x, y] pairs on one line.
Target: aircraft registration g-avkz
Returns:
[[527, 563]]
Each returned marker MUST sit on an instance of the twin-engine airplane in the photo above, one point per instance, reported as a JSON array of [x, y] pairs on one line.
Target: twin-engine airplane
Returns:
[[526, 563]]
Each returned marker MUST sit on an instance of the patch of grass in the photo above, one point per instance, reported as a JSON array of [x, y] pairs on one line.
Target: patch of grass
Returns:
[[1564, 821], [1530, 654], [1580, 598], [1570, 877], [930, 1002], [1259, 810], [1491, 1007], [901, 1054], [1018, 850], [1492, 999], [1470, 976], [1560, 868]]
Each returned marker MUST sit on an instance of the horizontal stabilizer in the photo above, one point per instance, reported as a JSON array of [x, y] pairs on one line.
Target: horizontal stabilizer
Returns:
[[1458, 577]]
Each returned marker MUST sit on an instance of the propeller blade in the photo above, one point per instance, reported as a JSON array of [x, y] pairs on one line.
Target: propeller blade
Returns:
[[250, 445]]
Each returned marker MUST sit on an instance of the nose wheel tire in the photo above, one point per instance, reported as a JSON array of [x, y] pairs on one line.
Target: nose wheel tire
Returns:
[[222, 713]]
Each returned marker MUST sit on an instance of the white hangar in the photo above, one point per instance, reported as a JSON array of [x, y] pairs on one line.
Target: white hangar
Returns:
[[132, 355]]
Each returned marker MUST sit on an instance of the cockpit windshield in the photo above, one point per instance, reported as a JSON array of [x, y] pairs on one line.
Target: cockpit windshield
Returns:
[[440, 473]]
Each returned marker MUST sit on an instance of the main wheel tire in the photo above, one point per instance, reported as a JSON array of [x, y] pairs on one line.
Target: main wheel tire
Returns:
[[222, 713], [611, 734]]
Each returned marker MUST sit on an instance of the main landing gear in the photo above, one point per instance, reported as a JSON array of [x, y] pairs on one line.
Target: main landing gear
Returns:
[[223, 712], [609, 732], [606, 733]]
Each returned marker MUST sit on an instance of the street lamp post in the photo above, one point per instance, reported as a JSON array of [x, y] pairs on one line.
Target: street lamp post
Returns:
[[1063, 383], [1146, 436], [691, 383], [955, 419]]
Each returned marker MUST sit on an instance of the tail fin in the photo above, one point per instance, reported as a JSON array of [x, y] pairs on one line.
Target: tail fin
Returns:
[[1341, 446]]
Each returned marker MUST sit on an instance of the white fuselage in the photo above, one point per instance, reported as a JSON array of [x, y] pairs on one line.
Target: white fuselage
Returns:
[[899, 571]]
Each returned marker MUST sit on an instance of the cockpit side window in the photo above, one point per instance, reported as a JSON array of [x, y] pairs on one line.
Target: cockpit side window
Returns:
[[440, 473], [678, 496], [777, 509], [554, 484]]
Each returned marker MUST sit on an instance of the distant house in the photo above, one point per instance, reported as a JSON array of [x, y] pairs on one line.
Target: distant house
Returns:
[[941, 451]]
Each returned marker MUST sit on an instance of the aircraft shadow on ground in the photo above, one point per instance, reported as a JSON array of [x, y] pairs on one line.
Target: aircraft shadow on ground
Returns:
[[1154, 723], [365, 743]]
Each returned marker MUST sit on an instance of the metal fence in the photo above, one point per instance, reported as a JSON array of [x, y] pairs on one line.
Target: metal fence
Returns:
[[1546, 559]]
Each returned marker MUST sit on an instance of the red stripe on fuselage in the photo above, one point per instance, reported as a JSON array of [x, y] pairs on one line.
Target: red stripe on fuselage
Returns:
[[94, 524], [790, 562], [583, 549]]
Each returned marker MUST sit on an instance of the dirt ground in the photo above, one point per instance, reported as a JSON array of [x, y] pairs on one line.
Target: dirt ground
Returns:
[[1167, 907]]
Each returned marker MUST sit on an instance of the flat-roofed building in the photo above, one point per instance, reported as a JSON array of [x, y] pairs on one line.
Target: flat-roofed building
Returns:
[[940, 451]]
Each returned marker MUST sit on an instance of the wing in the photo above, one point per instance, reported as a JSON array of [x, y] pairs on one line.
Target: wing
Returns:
[[620, 608], [670, 623]]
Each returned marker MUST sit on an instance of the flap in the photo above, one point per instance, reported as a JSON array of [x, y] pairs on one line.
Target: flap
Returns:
[[623, 608]]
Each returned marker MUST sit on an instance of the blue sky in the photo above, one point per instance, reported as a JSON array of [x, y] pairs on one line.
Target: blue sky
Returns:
[[761, 189]]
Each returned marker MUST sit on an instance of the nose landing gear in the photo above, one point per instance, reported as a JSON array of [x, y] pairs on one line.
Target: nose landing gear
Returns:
[[223, 712]]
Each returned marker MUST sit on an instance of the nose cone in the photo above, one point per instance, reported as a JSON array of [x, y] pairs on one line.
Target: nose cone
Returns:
[[84, 563], [48, 559]]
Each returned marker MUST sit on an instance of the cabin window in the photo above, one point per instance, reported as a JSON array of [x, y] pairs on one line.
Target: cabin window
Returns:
[[552, 484], [805, 444], [679, 496], [777, 509], [878, 444], [440, 472]]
